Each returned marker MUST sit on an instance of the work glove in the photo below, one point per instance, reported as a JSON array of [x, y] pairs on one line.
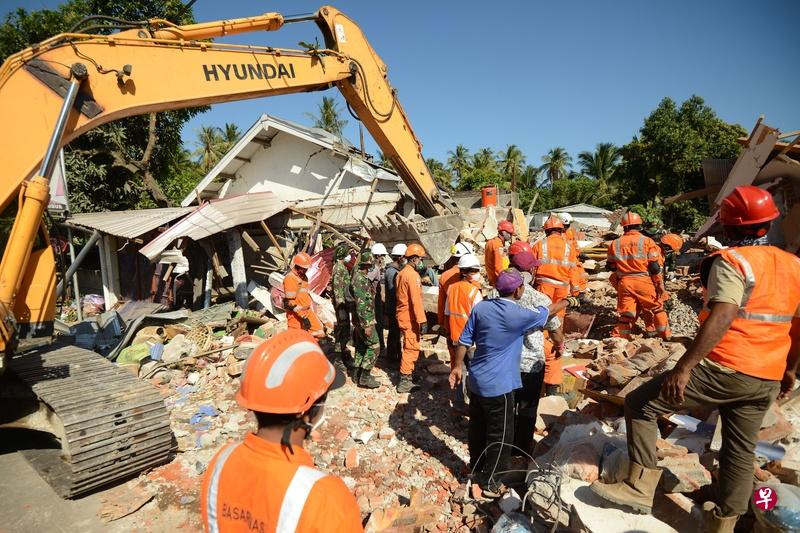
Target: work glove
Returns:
[[572, 302], [423, 328], [668, 305], [306, 322]]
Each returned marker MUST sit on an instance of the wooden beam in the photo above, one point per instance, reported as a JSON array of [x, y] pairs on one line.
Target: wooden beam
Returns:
[[274, 242], [693, 194], [240, 158], [266, 143], [227, 176], [238, 272], [250, 242], [326, 226]]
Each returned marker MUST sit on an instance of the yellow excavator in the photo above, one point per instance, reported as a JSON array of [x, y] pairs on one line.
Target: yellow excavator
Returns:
[[110, 424]]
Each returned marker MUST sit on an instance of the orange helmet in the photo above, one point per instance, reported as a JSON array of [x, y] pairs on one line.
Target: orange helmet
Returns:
[[505, 225], [302, 260], [287, 374], [415, 249], [518, 247], [553, 222], [673, 241], [747, 205], [631, 219]]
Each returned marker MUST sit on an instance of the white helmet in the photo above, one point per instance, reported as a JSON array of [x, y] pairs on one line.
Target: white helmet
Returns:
[[566, 218], [461, 249], [469, 261], [379, 249], [399, 250]]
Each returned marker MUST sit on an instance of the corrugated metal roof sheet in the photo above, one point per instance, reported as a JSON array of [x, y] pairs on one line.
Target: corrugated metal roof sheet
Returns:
[[129, 224], [217, 216]]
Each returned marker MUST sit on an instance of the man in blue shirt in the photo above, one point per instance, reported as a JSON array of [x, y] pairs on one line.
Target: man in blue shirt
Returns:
[[496, 328]]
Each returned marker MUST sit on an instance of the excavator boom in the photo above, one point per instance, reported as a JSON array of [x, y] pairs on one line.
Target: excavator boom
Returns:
[[63, 87]]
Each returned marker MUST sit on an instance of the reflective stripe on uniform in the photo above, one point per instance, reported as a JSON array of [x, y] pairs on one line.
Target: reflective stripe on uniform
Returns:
[[213, 489], [624, 274], [565, 262], [295, 498], [639, 253], [764, 317], [286, 359], [749, 277], [290, 294], [551, 281]]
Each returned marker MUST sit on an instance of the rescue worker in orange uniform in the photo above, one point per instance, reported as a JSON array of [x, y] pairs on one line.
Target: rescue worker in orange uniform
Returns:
[[745, 355], [448, 277], [579, 278], [268, 482], [297, 299], [462, 295], [634, 259], [410, 314], [494, 254], [670, 245], [558, 258]]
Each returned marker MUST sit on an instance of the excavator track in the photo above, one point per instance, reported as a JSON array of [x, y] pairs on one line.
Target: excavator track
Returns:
[[114, 425]]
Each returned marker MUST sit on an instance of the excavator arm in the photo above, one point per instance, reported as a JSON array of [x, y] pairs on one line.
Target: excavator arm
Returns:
[[158, 67]]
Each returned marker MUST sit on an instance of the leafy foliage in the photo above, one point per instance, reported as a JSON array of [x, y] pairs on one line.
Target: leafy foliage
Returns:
[[328, 117], [110, 167]]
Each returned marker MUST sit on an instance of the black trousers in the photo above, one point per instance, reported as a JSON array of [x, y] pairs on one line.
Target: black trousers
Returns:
[[394, 346], [379, 320], [491, 429], [526, 404]]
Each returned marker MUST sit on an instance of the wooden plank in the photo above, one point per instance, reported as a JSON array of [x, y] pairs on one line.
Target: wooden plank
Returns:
[[250, 242], [274, 242], [610, 398], [326, 226], [692, 194]]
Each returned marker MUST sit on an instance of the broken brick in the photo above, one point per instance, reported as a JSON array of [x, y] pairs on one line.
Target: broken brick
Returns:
[[351, 459], [666, 449], [683, 474]]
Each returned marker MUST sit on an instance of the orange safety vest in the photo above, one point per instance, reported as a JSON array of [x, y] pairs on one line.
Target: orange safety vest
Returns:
[[260, 486], [632, 253], [758, 341], [461, 298], [295, 290], [448, 277], [571, 236], [558, 256], [493, 259]]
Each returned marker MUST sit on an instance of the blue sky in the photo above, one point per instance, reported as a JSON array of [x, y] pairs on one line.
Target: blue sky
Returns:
[[544, 74]]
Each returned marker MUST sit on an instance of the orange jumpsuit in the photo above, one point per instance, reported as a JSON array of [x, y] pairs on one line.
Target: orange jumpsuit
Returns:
[[554, 278], [299, 313], [257, 485], [410, 314], [631, 256], [493, 259], [446, 280]]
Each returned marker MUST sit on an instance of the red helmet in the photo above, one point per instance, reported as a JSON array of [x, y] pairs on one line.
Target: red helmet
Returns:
[[287, 374], [553, 222], [415, 249], [747, 205], [518, 247], [631, 219], [673, 241], [302, 260], [505, 225]]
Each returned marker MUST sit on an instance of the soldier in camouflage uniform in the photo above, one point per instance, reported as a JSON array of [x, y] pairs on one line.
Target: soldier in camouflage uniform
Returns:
[[366, 334], [342, 303]]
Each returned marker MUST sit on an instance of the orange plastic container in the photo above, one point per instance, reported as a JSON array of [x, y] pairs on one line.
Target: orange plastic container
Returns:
[[489, 196]]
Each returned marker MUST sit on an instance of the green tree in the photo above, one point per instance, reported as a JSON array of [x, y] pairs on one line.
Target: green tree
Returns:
[[440, 174], [124, 163], [211, 146], [666, 158], [601, 165], [555, 165], [458, 161], [513, 161], [384, 161], [328, 117], [484, 160]]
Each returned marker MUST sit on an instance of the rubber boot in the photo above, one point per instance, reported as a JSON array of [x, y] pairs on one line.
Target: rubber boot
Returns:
[[716, 523], [636, 492], [405, 384], [367, 380]]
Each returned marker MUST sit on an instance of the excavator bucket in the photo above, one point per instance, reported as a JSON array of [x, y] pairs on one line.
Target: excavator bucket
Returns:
[[436, 234]]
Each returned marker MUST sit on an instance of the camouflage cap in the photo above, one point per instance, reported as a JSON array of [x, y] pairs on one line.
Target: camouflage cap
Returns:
[[341, 251], [366, 257]]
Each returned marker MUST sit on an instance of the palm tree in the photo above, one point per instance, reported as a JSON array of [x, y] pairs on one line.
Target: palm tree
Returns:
[[440, 173], [529, 175], [210, 146], [384, 161], [328, 118], [513, 161], [231, 133], [484, 159], [555, 164], [458, 161], [602, 163]]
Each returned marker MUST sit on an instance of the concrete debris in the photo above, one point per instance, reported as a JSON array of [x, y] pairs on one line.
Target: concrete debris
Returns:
[[683, 473]]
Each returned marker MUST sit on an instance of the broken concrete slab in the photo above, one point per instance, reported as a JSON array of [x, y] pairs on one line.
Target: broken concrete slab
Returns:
[[683, 473]]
